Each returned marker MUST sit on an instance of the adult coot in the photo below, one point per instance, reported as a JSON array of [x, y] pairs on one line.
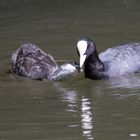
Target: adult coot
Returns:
[[114, 62]]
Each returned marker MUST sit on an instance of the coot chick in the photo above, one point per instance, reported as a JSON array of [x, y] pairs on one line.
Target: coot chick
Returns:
[[32, 62], [114, 62]]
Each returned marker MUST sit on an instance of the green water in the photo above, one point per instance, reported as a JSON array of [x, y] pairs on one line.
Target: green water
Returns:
[[76, 108]]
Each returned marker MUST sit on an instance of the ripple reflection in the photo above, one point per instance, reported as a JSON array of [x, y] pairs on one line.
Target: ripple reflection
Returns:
[[76, 104], [86, 118]]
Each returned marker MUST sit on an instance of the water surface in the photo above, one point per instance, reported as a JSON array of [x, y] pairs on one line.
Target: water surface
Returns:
[[76, 108]]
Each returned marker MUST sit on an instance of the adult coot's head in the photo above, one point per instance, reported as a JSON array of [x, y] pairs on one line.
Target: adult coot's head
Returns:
[[89, 59], [85, 48]]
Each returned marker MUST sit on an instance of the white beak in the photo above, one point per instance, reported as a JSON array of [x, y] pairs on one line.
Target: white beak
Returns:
[[82, 47], [82, 60]]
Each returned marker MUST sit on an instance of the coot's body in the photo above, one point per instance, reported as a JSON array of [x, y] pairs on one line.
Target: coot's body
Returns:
[[30, 61], [114, 62]]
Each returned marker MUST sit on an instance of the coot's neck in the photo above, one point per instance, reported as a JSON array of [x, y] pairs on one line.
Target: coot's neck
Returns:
[[94, 67]]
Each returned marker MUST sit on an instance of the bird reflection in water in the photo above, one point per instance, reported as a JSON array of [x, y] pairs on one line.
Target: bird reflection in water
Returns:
[[78, 104], [86, 118]]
